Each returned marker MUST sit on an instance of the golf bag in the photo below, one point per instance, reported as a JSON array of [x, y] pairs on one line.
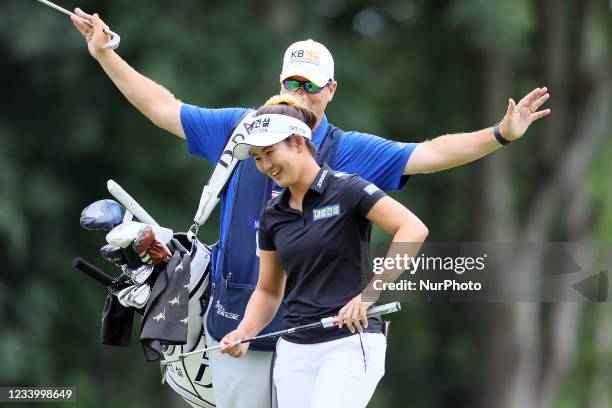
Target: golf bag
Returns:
[[160, 270], [177, 295], [191, 376]]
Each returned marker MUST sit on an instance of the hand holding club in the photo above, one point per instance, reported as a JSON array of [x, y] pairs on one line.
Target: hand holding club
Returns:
[[354, 314], [94, 30], [232, 346]]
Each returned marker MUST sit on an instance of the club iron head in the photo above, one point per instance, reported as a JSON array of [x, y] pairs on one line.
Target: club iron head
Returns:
[[135, 296]]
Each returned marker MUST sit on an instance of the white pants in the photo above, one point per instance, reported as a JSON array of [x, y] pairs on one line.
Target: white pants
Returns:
[[339, 373]]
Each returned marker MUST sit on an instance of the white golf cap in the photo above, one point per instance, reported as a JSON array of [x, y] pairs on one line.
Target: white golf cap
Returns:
[[270, 129], [308, 59]]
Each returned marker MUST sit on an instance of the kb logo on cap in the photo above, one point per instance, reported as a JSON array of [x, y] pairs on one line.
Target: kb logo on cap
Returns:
[[311, 55]]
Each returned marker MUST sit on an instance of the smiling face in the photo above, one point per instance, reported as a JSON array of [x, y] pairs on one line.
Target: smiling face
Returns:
[[282, 162]]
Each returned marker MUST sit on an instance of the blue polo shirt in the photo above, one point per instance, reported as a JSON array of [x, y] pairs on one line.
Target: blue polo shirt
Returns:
[[235, 264], [320, 250]]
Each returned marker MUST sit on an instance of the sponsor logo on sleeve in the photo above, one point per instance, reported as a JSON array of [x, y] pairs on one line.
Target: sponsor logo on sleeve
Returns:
[[370, 189]]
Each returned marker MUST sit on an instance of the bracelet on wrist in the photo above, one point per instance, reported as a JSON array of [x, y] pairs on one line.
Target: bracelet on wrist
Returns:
[[497, 133]]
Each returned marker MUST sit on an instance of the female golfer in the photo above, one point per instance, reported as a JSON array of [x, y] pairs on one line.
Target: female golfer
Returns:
[[310, 241]]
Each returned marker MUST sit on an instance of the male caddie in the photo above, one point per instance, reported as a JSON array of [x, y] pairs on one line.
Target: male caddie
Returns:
[[308, 70]]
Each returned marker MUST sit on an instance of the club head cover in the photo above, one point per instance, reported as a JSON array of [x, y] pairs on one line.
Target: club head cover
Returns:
[[123, 234], [140, 275], [102, 215], [148, 248], [132, 259], [135, 296], [113, 254]]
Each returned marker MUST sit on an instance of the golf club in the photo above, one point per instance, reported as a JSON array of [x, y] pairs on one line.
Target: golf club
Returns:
[[128, 201], [115, 38], [114, 255], [325, 322], [129, 296], [92, 271]]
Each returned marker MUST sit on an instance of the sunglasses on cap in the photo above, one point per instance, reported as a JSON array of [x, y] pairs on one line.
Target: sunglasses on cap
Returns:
[[293, 85]]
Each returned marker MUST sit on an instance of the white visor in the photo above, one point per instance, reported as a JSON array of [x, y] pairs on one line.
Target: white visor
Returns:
[[270, 129]]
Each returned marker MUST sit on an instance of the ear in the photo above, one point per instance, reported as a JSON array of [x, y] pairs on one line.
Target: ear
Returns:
[[332, 90], [298, 142]]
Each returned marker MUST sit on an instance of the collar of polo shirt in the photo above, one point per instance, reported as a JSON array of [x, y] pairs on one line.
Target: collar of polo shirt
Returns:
[[318, 185], [270, 129]]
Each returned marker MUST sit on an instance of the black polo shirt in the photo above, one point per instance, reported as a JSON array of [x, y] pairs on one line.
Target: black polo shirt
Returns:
[[320, 249]]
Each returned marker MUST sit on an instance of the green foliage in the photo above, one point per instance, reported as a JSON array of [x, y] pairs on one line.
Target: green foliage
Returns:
[[495, 24]]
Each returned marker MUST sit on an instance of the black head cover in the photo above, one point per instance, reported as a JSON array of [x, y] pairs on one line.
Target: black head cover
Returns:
[[113, 254]]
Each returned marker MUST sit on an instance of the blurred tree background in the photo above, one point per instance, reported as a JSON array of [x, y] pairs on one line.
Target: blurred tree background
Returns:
[[407, 70]]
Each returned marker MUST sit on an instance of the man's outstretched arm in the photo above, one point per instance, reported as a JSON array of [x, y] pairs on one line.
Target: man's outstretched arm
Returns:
[[454, 150], [150, 98]]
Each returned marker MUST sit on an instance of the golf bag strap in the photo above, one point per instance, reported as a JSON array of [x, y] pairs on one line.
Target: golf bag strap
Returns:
[[211, 194], [327, 150]]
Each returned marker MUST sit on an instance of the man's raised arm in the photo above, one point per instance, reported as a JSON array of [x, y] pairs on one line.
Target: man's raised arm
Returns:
[[454, 150], [150, 98]]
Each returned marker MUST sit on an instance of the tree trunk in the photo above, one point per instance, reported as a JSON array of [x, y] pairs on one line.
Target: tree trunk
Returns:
[[531, 346]]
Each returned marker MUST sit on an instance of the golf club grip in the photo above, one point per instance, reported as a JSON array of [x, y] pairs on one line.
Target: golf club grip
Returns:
[[384, 309], [129, 203], [92, 271], [329, 321]]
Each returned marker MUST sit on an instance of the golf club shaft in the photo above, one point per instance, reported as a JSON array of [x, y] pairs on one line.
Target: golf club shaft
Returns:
[[63, 10], [70, 13], [326, 322], [264, 336], [129, 203]]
